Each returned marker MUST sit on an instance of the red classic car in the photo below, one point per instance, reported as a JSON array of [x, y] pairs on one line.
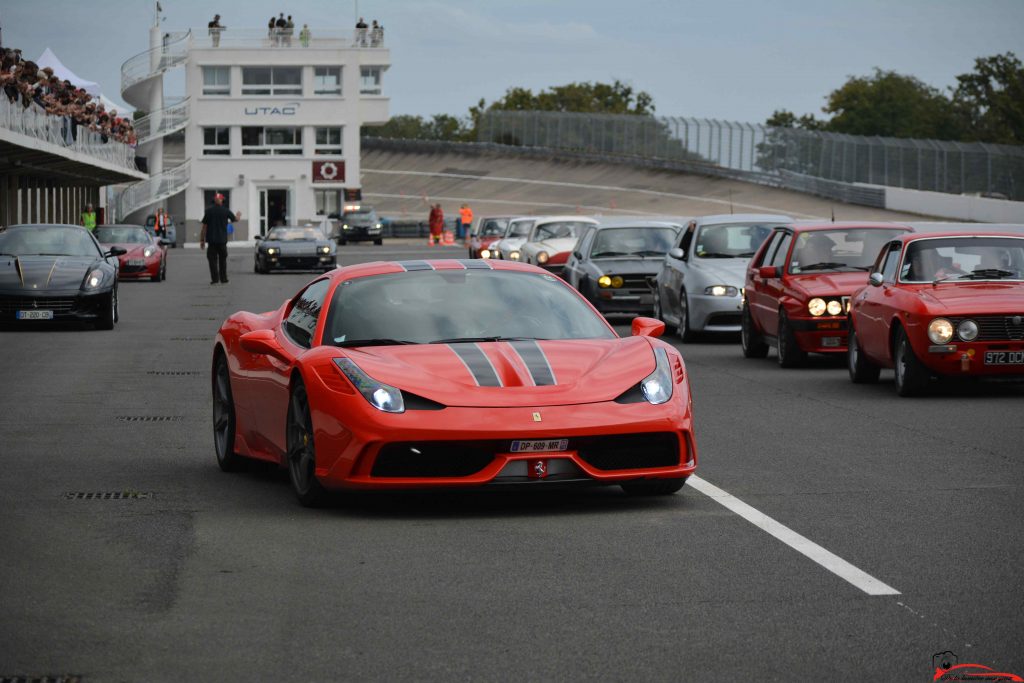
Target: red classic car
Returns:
[[799, 283], [145, 256], [944, 305], [487, 230]]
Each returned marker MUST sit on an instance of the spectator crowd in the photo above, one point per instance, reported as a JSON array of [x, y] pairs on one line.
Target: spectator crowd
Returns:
[[22, 78]]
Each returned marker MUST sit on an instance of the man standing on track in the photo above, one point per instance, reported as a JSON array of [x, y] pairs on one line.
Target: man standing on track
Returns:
[[215, 232], [465, 221], [89, 218], [436, 224]]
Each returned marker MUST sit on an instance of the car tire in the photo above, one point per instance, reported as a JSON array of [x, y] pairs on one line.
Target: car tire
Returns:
[[159, 274], [110, 314], [862, 370], [683, 330], [911, 375], [790, 353], [753, 344], [301, 450], [657, 307], [224, 417], [378, 242], [652, 487]]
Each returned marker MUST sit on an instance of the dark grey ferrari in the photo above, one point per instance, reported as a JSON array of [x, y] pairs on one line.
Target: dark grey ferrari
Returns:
[[56, 273], [295, 248]]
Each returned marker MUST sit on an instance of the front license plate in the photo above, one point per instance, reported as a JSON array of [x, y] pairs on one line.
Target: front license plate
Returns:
[[136, 262], [35, 315], [539, 446], [1004, 358], [830, 342]]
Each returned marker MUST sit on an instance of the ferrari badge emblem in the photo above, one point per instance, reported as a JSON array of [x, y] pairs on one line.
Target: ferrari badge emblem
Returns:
[[536, 417], [538, 469]]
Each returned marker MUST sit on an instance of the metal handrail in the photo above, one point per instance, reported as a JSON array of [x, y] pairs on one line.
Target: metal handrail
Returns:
[[156, 60], [248, 38], [164, 122], [153, 189], [34, 122]]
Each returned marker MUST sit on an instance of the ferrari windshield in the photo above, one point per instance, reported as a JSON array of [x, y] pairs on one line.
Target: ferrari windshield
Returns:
[[295, 234], [613, 242], [841, 250], [430, 306], [47, 240], [730, 241], [963, 258], [121, 234]]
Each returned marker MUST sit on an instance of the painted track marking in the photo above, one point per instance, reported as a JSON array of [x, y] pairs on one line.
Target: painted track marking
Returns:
[[802, 545]]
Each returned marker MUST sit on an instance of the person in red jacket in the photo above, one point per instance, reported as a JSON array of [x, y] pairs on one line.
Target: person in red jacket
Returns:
[[436, 223]]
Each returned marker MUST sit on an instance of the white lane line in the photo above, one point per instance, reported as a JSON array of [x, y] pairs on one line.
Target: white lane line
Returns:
[[802, 545]]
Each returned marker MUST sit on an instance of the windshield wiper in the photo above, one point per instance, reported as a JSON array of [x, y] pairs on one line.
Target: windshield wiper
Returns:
[[381, 341], [647, 252], [456, 340], [987, 274], [828, 265], [715, 254], [608, 253]]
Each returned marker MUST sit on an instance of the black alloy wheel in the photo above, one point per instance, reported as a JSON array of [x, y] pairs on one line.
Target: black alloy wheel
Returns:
[[378, 242], [790, 353], [109, 316], [911, 375], [653, 487], [754, 345], [224, 417], [683, 330], [862, 370], [301, 453], [658, 313]]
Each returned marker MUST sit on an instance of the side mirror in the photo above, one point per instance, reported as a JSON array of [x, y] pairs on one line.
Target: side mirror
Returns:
[[677, 253], [875, 279], [577, 255], [647, 327], [768, 272], [117, 251], [258, 237], [262, 342]]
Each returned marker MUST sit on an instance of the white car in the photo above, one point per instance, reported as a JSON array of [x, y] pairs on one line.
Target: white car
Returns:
[[515, 234], [552, 239]]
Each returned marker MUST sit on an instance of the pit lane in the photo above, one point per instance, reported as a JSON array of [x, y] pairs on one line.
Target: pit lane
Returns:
[[191, 574]]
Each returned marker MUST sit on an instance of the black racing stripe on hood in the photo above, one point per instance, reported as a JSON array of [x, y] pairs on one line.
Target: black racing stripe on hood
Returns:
[[478, 364], [536, 362], [476, 264], [416, 265]]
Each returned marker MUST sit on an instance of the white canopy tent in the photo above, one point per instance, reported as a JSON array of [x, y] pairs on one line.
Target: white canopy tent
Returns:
[[49, 59]]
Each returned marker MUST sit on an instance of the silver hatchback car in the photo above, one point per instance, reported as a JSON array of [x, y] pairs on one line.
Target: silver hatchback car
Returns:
[[700, 285]]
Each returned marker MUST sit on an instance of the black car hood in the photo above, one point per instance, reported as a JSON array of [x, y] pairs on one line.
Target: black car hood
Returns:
[[44, 272], [631, 265], [295, 247]]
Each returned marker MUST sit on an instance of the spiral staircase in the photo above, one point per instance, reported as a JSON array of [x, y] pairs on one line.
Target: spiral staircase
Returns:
[[142, 87]]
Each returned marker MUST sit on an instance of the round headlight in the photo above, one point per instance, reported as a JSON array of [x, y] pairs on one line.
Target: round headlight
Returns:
[[940, 331], [968, 330], [271, 251], [834, 307], [485, 253], [148, 251], [542, 257], [816, 306], [514, 255], [617, 281], [604, 281]]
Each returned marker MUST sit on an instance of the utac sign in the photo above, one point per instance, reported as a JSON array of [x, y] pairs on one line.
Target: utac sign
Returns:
[[328, 171], [285, 109]]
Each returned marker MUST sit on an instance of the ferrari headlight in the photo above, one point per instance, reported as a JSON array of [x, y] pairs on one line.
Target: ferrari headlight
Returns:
[[721, 290], [816, 306], [542, 257], [345, 226], [657, 387], [93, 279], [617, 281], [272, 250], [940, 331], [514, 255], [604, 281], [968, 330], [485, 253], [834, 307], [383, 397], [324, 250], [148, 251]]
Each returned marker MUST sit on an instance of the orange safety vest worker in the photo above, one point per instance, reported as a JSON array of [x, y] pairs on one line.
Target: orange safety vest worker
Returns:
[[466, 215]]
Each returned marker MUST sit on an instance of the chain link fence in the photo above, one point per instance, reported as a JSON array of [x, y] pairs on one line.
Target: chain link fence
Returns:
[[786, 155]]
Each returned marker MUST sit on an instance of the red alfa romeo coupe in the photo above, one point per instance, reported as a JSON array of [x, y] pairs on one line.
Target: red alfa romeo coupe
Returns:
[[799, 283], [377, 376], [940, 305]]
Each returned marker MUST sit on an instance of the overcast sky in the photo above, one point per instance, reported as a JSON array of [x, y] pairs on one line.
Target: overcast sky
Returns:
[[733, 59]]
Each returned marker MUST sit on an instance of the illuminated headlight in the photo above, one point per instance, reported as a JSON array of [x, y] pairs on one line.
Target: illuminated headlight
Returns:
[[968, 330], [148, 251], [657, 387], [381, 396], [93, 279], [324, 250], [346, 227], [940, 331], [272, 250], [542, 257], [834, 307], [485, 253], [721, 290], [604, 281], [617, 281], [378, 226], [514, 255], [816, 306]]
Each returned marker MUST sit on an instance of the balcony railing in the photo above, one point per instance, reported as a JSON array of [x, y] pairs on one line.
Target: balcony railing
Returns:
[[156, 60], [59, 130], [153, 189], [159, 123], [250, 38]]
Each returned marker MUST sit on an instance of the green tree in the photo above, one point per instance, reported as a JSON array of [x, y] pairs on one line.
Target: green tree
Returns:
[[991, 100]]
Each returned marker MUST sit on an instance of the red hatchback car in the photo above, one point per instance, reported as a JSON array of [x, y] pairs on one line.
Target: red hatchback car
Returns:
[[945, 305], [799, 283]]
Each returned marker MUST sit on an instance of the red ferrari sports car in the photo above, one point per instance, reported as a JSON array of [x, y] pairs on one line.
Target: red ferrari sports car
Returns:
[[799, 283], [378, 376], [945, 305], [145, 255]]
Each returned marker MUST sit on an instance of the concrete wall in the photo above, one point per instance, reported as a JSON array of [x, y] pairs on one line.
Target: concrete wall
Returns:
[[962, 207]]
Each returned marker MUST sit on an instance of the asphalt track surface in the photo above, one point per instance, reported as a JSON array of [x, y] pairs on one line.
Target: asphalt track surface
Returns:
[[223, 577]]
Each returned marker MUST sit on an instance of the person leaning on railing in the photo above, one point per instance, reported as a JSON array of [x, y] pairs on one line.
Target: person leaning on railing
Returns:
[[215, 29]]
